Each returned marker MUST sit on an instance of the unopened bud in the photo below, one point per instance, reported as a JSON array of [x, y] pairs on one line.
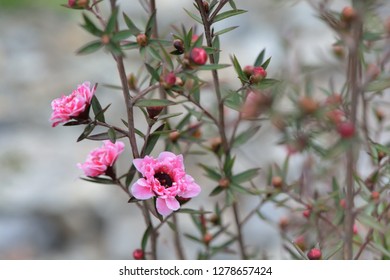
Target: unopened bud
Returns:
[[78, 4], [105, 39], [375, 196], [216, 144], [300, 242], [142, 40], [132, 82], [207, 238], [169, 80], [224, 183], [138, 254], [258, 75], [346, 130], [174, 136], [314, 254], [283, 223], [336, 116], [206, 6], [334, 100], [154, 111], [338, 50], [179, 46], [343, 203], [308, 105], [198, 56], [348, 14], [277, 182], [379, 115], [381, 155]]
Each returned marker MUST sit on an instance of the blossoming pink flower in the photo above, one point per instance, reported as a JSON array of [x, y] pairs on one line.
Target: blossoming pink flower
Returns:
[[100, 159], [165, 178], [73, 105]]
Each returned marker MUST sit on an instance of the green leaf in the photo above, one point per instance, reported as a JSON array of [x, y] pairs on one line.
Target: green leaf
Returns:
[[145, 237], [217, 190], [228, 14], [97, 108], [193, 238], [371, 222], [194, 17], [245, 136], [99, 115], [152, 140], [110, 27], [88, 129], [266, 63], [121, 35], [192, 211], [239, 188], [378, 85], [98, 180], [91, 27], [237, 67], [245, 176], [232, 4], [216, 46], [267, 83], [210, 172], [153, 102], [111, 135], [168, 116], [132, 27], [260, 58], [153, 72], [130, 46], [154, 53], [105, 136], [213, 66], [150, 24], [233, 101], [228, 165], [225, 30], [90, 47]]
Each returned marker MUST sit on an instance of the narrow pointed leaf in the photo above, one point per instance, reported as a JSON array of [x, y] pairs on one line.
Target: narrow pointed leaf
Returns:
[[228, 14], [132, 27], [90, 47]]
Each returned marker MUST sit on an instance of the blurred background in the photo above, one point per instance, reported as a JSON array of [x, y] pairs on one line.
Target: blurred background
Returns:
[[46, 211]]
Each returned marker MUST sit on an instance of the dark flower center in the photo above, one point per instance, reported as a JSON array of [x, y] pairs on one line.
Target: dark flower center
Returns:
[[164, 179]]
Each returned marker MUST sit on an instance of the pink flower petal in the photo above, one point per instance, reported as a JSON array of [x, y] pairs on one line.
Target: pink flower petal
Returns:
[[162, 207], [190, 188], [142, 190], [138, 163], [172, 203]]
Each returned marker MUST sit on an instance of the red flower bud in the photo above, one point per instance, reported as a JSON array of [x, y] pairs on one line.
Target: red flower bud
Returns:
[[194, 38], [198, 56], [308, 105], [207, 238], [277, 182], [348, 14], [154, 111], [78, 4], [283, 223], [169, 80], [336, 116], [248, 70], [258, 74], [346, 130], [224, 183], [343, 203], [179, 46], [306, 213], [142, 40], [138, 254], [314, 254], [300, 242], [375, 196]]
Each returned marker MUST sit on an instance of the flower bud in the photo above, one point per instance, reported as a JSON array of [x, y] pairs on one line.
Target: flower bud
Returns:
[[379, 115], [334, 100], [355, 229], [78, 4], [372, 71], [314, 254], [174, 136], [105, 39], [300, 242], [338, 50], [206, 6], [283, 223], [138, 254], [216, 144], [346, 130], [308, 105], [277, 182], [207, 238], [381, 155], [336, 116], [248, 70], [375, 196], [306, 213], [154, 111], [198, 56], [215, 220], [343, 203], [179, 46], [194, 38], [132, 82], [348, 14], [224, 183], [142, 40], [169, 80], [258, 74]]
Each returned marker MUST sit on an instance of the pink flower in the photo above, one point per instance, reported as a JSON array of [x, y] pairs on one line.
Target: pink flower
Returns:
[[165, 178], [73, 105], [100, 159]]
